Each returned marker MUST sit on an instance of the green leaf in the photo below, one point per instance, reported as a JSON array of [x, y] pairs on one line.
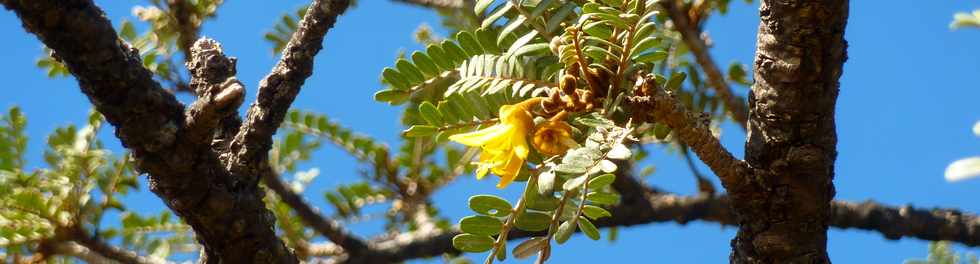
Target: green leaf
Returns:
[[570, 169], [395, 79], [425, 64], [588, 228], [661, 131], [469, 43], [480, 225], [543, 203], [491, 205], [601, 181], [453, 51], [392, 96], [574, 183], [564, 232], [676, 79], [650, 57], [546, 182], [595, 212], [420, 131], [619, 152], [603, 198], [472, 243], [736, 73], [411, 73], [529, 247], [646, 44], [481, 6], [607, 166], [430, 113], [533, 221]]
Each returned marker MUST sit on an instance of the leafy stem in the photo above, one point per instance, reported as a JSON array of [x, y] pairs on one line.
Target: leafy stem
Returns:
[[530, 20], [501, 241]]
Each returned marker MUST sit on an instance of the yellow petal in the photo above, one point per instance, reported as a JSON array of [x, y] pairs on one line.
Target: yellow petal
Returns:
[[509, 171], [480, 137]]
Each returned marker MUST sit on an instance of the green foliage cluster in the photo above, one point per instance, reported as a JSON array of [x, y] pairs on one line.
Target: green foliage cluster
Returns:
[[942, 253], [514, 50], [82, 184]]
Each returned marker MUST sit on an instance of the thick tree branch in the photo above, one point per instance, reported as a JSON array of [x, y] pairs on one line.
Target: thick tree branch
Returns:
[[692, 37], [251, 145], [444, 4], [692, 129], [656, 207], [792, 133], [934, 224], [333, 231], [230, 221]]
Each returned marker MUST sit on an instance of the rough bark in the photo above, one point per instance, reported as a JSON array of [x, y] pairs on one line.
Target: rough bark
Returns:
[[226, 213], [784, 217], [232, 224]]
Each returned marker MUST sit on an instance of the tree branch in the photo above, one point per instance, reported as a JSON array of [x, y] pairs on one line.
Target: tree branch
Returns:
[[692, 37], [251, 145], [893, 223], [105, 250], [934, 224], [351, 244], [692, 129], [230, 220]]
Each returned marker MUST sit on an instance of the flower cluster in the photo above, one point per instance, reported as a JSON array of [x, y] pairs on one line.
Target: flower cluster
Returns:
[[505, 145]]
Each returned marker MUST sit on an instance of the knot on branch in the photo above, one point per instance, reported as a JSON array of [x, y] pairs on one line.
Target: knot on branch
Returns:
[[219, 92]]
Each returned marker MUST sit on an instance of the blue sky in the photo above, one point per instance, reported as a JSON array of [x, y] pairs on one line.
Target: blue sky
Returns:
[[908, 99]]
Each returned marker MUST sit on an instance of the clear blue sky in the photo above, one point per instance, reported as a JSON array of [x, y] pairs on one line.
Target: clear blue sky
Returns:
[[908, 99]]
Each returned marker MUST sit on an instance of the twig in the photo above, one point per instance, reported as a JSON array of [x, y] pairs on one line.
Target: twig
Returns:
[[102, 248], [692, 37], [278, 90], [333, 231], [692, 130]]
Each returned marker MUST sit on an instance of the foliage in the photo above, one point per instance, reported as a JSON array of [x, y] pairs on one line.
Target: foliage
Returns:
[[964, 19], [82, 184], [283, 30], [583, 57], [942, 253]]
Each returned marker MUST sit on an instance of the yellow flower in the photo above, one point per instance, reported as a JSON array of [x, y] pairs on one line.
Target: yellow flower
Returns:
[[504, 144], [553, 137]]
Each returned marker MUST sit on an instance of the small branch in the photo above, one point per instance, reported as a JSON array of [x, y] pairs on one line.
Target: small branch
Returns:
[[692, 37], [80, 252], [187, 29], [692, 129], [352, 245], [277, 91], [108, 251], [439, 4]]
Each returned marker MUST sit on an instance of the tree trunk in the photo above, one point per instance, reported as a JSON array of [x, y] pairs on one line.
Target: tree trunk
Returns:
[[791, 145]]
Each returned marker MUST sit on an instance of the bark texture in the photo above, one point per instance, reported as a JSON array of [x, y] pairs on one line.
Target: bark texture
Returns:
[[784, 214], [231, 222], [223, 205]]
